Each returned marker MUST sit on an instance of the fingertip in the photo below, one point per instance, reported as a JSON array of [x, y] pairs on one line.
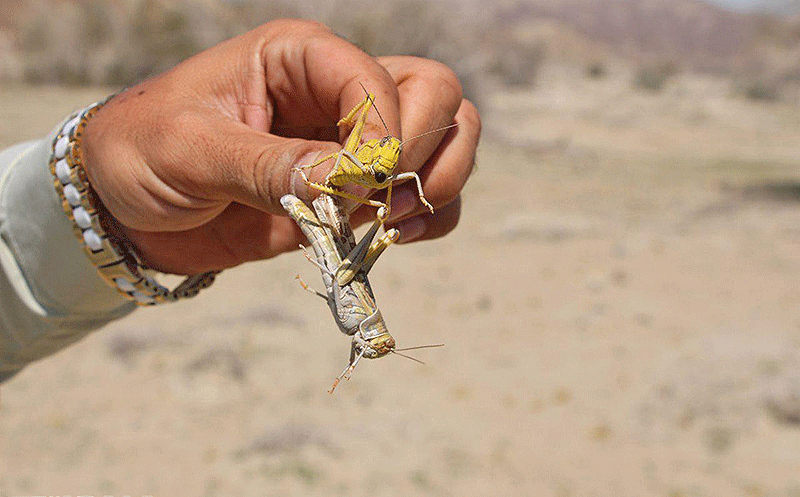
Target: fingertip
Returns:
[[431, 226], [404, 202], [412, 229], [298, 176]]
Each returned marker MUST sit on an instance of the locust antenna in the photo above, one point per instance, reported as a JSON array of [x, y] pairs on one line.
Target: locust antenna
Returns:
[[376, 109], [427, 132], [407, 357], [433, 346], [397, 351]]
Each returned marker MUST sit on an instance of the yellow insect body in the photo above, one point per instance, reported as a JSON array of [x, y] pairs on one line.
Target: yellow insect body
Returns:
[[376, 160], [370, 164]]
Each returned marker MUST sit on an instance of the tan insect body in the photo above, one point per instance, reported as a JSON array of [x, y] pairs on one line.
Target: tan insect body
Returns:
[[344, 265]]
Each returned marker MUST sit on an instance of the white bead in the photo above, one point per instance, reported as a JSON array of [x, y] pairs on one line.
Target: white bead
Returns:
[[62, 171], [92, 240], [72, 195], [125, 285], [67, 129], [60, 150], [82, 218], [144, 299]]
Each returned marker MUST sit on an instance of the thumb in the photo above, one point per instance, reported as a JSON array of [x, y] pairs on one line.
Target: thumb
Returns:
[[256, 168]]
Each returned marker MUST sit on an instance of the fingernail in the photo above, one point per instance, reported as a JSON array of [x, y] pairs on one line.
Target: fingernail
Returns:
[[297, 186], [403, 203], [411, 229]]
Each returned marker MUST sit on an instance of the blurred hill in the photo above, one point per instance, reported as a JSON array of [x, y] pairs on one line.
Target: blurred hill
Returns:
[[689, 33], [682, 31], [120, 41]]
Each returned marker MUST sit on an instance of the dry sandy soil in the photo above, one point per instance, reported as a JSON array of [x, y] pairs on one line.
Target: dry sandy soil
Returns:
[[619, 304]]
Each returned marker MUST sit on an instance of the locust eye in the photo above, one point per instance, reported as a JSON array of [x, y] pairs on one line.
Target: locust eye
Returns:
[[380, 177]]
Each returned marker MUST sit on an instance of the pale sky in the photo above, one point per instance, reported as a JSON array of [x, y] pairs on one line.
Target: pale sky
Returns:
[[769, 5]]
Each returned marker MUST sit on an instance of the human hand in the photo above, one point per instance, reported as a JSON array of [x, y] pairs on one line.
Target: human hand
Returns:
[[192, 163]]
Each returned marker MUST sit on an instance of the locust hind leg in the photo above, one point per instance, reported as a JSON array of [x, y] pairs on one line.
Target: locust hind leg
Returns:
[[353, 261], [377, 248], [348, 270], [354, 139]]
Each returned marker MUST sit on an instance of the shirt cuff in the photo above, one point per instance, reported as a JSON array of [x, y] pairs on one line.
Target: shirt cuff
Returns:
[[52, 271]]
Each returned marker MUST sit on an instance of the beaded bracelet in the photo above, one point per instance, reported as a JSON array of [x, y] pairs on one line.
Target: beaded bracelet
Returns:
[[111, 254]]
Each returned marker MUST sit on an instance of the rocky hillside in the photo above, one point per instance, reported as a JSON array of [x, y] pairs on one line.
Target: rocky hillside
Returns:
[[690, 33], [116, 41]]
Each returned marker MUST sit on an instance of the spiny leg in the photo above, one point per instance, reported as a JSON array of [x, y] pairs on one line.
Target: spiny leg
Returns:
[[346, 273], [330, 189], [309, 289], [343, 194], [350, 117], [415, 176], [316, 163], [347, 371], [388, 202], [315, 262], [354, 139], [377, 248], [334, 170], [352, 262]]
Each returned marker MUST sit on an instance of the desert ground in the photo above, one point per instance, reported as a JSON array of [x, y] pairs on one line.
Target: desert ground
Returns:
[[619, 306]]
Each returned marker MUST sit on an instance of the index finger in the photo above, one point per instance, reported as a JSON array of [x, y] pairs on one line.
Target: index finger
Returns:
[[430, 96], [311, 74]]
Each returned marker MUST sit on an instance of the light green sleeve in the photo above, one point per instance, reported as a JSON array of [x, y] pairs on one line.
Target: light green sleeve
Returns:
[[50, 294]]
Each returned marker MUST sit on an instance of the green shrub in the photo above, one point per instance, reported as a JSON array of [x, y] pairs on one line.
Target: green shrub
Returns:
[[654, 77], [596, 70], [761, 91]]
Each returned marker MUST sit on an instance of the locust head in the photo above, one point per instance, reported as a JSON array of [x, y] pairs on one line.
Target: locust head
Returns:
[[380, 156], [373, 348], [379, 346], [372, 340], [386, 155]]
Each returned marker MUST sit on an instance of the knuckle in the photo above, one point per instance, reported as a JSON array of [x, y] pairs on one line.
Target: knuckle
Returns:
[[169, 129], [184, 118], [441, 190], [308, 26], [298, 27], [448, 84], [440, 80]]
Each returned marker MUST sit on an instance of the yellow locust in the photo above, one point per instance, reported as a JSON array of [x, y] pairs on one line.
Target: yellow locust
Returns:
[[370, 164]]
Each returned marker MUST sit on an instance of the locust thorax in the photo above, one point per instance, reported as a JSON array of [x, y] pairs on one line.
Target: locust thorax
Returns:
[[381, 155], [375, 347]]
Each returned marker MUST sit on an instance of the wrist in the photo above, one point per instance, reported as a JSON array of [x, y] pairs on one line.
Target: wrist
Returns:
[[103, 243]]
